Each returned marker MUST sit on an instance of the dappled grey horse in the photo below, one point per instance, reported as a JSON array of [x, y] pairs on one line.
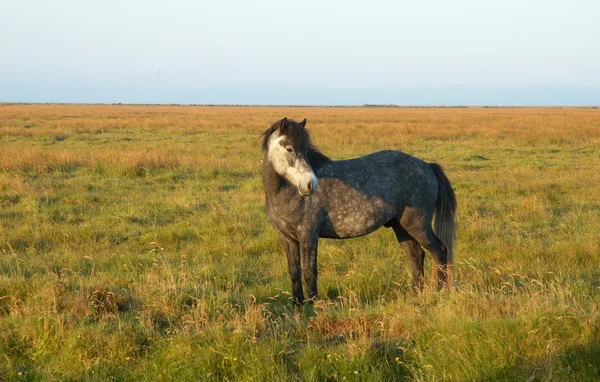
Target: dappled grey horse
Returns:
[[308, 195]]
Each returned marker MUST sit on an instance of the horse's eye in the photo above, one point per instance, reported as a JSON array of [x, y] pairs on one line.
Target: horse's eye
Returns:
[[289, 149]]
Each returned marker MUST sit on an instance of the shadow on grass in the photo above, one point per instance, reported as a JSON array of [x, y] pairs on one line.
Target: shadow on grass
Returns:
[[574, 363]]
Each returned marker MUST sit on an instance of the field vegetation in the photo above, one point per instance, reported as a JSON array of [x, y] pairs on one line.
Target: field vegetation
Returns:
[[134, 246]]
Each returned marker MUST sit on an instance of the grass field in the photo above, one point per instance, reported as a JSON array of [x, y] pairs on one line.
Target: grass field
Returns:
[[134, 246]]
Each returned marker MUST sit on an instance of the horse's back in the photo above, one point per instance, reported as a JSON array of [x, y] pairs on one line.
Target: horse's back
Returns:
[[383, 173], [362, 194]]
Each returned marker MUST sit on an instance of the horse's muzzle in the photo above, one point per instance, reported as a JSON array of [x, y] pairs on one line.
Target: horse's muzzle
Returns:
[[309, 187]]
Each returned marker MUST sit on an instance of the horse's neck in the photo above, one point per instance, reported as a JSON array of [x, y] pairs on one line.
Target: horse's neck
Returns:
[[272, 181], [317, 158]]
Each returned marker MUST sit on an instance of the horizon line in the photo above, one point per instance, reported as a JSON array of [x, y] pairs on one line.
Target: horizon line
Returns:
[[365, 106]]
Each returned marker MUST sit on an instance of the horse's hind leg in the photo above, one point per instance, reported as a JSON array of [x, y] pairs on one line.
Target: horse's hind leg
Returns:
[[415, 253], [417, 257], [417, 224]]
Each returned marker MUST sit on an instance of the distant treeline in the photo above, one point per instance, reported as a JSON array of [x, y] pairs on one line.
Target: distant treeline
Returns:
[[391, 106]]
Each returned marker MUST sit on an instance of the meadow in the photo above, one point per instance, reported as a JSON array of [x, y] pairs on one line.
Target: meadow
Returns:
[[134, 246]]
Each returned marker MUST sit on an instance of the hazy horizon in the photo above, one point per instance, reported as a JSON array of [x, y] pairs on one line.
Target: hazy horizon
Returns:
[[353, 97], [431, 53]]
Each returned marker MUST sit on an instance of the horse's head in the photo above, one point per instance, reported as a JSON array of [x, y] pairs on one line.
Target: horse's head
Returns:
[[286, 145]]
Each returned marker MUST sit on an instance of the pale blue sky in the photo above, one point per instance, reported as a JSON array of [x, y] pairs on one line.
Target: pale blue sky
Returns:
[[432, 52]]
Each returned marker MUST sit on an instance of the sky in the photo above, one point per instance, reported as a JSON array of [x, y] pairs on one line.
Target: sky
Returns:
[[325, 52]]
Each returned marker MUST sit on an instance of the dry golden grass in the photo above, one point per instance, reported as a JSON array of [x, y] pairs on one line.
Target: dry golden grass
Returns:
[[134, 246]]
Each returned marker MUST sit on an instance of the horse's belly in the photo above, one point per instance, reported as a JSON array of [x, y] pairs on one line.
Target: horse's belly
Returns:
[[347, 232], [353, 223]]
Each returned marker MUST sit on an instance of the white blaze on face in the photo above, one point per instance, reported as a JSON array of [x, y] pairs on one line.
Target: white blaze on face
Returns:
[[292, 166]]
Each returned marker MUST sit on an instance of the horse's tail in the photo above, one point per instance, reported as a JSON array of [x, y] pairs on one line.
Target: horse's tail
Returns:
[[445, 217]]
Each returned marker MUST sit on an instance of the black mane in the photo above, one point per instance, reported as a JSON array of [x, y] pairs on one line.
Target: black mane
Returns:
[[300, 139]]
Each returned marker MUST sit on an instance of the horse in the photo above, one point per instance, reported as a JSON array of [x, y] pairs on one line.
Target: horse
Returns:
[[310, 196]]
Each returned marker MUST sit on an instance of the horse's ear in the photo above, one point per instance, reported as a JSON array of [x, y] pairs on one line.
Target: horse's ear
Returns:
[[303, 123], [283, 124]]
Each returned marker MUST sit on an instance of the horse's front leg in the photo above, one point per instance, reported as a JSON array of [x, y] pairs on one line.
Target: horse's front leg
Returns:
[[292, 250], [308, 249]]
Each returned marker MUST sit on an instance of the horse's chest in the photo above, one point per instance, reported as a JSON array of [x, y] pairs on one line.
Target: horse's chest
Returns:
[[289, 217]]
